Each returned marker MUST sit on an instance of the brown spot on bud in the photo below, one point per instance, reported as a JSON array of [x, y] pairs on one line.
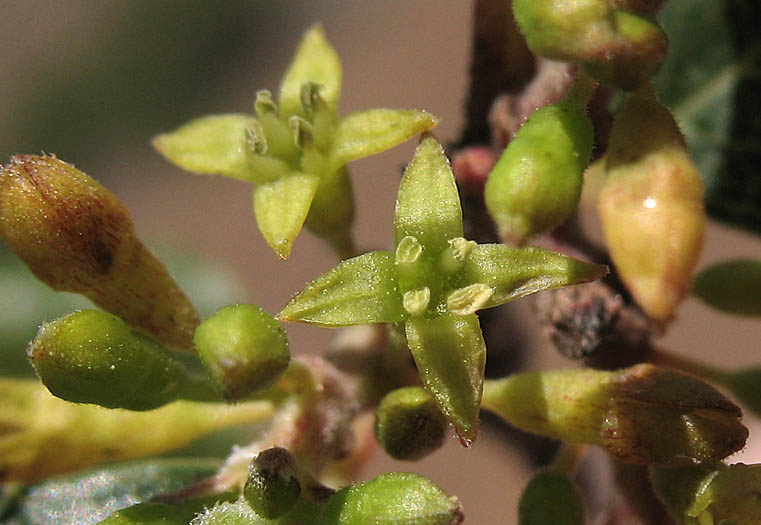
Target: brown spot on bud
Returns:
[[76, 236]]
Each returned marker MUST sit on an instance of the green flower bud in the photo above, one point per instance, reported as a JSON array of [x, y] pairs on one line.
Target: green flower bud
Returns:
[[536, 184], [93, 357], [243, 349], [409, 424], [614, 45], [272, 486], [711, 494], [551, 498], [76, 236], [641, 415], [397, 497], [651, 207]]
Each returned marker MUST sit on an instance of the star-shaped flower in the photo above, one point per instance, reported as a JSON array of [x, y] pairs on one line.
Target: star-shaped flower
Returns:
[[433, 284], [296, 153]]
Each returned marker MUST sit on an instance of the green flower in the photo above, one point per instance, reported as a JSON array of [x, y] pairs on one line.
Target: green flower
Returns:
[[433, 284], [296, 154]]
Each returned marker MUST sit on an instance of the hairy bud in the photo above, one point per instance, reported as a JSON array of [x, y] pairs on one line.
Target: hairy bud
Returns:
[[409, 424], [243, 349], [93, 357], [76, 236], [272, 486]]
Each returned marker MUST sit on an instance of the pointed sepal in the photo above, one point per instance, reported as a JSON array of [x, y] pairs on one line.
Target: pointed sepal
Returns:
[[372, 131], [213, 145], [317, 62], [281, 207], [450, 355], [361, 290], [516, 272], [428, 205]]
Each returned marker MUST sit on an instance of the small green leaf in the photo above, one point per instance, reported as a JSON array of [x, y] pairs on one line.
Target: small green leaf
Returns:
[[450, 355], [731, 286], [317, 62], [516, 272], [360, 290], [281, 207], [397, 497], [372, 131], [428, 205], [90, 496], [551, 498], [214, 145]]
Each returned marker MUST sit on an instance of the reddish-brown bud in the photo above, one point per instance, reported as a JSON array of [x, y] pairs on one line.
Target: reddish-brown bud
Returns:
[[76, 236]]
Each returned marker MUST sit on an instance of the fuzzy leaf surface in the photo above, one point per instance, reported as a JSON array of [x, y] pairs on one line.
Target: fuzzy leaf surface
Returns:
[[90, 496], [214, 145], [361, 290]]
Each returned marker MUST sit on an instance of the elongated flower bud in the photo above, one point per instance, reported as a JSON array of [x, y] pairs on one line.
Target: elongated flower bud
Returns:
[[651, 207], [536, 184], [409, 424], [710, 494], [642, 415], [76, 236], [243, 349], [93, 357], [272, 486]]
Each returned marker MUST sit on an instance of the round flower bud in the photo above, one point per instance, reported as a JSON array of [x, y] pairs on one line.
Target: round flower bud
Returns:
[[272, 486], [409, 424], [243, 349]]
